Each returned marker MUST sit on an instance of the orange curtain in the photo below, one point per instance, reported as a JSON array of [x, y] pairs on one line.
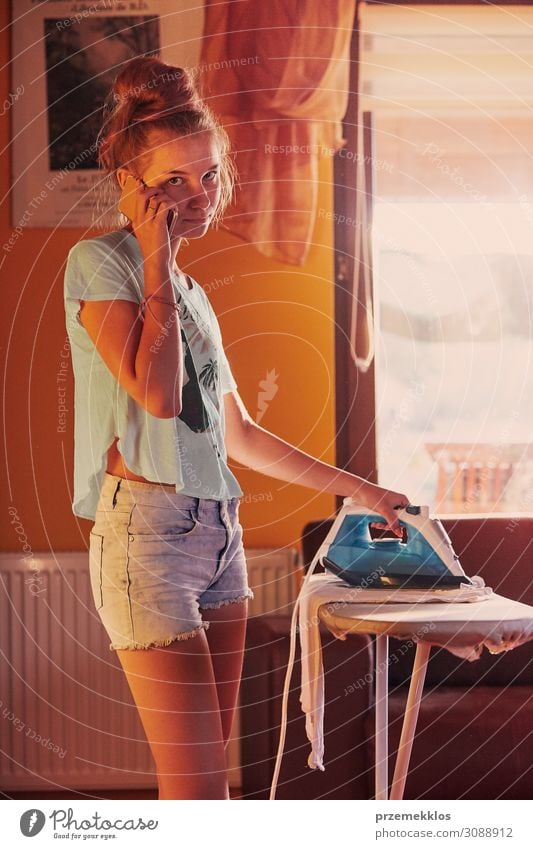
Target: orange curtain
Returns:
[[276, 74]]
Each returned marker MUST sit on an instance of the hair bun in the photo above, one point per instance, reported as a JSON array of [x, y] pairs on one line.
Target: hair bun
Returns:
[[150, 89]]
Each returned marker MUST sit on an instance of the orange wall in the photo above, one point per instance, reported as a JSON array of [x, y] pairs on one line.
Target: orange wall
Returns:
[[275, 319], [277, 326]]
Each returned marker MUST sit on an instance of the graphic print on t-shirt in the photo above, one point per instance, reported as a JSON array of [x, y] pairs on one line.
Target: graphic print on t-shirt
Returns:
[[193, 411]]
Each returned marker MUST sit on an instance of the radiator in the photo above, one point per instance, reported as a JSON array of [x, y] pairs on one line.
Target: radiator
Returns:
[[68, 718]]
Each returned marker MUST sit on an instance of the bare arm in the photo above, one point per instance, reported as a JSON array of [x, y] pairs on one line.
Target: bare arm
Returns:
[[146, 358], [253, 446]]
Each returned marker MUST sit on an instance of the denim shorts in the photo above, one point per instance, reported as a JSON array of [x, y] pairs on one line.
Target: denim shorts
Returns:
[[157, 556]]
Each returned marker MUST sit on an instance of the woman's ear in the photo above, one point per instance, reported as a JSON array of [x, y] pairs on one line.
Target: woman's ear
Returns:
[[122, 176]]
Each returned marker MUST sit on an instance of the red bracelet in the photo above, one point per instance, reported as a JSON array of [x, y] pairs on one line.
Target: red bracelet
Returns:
[[146, 302]]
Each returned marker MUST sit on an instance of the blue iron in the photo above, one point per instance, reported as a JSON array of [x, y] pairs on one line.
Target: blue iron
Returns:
[[360, 550]]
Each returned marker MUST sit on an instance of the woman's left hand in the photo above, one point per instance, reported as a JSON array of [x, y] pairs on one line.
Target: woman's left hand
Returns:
[[382, 501]]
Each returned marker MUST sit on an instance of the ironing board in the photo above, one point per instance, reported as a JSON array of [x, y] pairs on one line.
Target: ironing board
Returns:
[[498, 623]]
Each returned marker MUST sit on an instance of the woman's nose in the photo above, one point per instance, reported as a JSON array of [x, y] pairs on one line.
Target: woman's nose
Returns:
[[200, 200]]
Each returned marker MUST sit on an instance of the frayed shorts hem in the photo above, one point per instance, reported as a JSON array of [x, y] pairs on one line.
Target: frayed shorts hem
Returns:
[[215, 604], [185, 635], [166, 641]]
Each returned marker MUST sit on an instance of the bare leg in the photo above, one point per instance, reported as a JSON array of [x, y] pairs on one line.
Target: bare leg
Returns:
[[175, 692], [226, 637]]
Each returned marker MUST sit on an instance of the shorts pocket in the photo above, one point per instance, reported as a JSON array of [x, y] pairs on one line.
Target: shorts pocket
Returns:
[[150, 523], [96, 550]]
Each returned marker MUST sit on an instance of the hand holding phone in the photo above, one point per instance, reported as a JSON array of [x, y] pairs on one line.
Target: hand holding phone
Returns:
[[152, 213]]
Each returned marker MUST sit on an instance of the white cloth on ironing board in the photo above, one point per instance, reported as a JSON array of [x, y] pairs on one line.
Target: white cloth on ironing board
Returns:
[[492, 621]]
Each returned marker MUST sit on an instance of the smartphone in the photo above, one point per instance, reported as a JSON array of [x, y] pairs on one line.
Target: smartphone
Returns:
[[169, 217]]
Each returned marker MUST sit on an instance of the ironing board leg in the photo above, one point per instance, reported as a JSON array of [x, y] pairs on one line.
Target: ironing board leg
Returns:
[[382, 719], [410, 719]]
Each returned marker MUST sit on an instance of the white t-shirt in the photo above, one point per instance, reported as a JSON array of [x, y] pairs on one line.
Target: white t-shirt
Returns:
[[189, 449]]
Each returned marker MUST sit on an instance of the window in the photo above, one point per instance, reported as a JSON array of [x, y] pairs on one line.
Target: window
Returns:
[[450, 92]]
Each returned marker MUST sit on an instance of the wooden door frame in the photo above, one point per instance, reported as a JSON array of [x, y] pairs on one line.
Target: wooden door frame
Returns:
[[355, 391]]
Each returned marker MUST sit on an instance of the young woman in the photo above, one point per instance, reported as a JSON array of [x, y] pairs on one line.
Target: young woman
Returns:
[[157, 413]]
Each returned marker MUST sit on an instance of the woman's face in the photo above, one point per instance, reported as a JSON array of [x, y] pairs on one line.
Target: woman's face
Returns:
[[187, 169]]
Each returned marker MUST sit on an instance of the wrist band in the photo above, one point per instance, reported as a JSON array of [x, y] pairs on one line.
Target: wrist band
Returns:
[[146, 302]]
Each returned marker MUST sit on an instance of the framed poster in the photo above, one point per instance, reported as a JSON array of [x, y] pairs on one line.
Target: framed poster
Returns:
[[65, 57]]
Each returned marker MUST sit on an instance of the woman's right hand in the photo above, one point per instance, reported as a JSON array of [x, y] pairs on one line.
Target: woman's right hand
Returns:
[[148, 210], [383, 501]]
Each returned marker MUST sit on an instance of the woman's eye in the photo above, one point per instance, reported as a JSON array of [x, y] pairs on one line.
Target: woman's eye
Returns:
[[210, 176]]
